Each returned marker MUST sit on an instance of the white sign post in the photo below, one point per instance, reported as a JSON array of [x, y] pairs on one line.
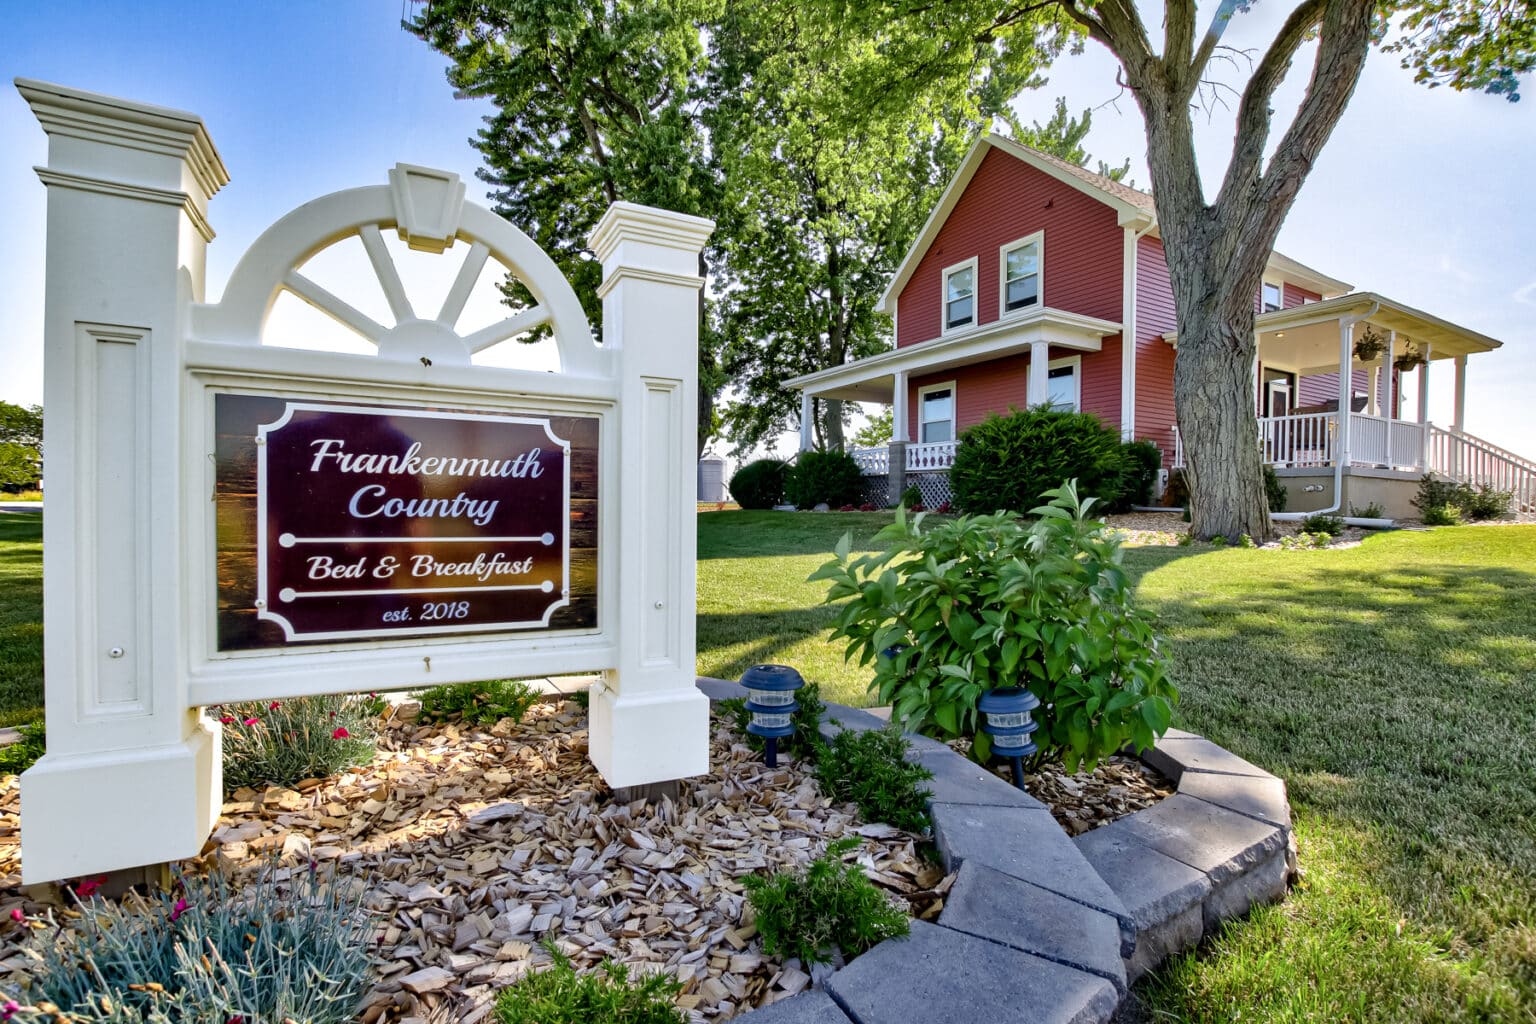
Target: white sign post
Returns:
[[135, 362]]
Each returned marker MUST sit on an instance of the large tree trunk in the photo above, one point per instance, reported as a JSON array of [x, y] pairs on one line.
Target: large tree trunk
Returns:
[[1213, 390]]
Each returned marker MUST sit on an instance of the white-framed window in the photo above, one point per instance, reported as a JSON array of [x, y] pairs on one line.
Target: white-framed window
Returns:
[[936, 412], [1271, 298], [1021, 271], [957, 307], [1063, 383]]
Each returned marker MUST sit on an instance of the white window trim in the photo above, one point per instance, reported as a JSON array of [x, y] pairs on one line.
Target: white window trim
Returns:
[[1037, 239], [1278, 285], [944, 327], [954, 411], [1076, 362]]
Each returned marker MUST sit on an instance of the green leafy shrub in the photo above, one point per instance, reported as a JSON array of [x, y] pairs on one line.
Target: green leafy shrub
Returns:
[[806, 720], [989, 601], [823, 477], [870, 769], [214, 952], [17, 757], [1333, 526], [1143, 461], [1487, 503], [1245, 541], [282, 742], [1274, 491], [481, 703], [911, 497], [759, 484], [1442, 515], [1448, 503], [559, 995], [1006, 463], [829, 905], [1218, 541], [1371, 511]]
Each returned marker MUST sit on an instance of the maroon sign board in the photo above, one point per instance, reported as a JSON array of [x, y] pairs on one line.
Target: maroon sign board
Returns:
[[375, 522]]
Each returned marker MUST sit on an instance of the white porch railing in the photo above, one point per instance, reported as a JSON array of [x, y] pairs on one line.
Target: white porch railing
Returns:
[[872, 461], [1310, 440], [921, 458], [1460, 456], [933, 455]]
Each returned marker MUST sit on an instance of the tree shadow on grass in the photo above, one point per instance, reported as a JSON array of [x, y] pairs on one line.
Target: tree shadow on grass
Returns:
[[765, 534]]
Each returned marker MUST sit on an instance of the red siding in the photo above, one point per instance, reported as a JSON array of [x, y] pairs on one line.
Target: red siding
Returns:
[[1155, 315], [1290, 295], [998, 384], [1005, 200], [1324, 387]]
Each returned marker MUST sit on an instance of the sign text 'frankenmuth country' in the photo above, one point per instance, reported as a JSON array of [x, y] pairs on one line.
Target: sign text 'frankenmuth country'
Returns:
[[398, 522]]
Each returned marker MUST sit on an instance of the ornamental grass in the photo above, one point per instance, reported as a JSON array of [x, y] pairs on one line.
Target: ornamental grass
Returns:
[[282, 742]]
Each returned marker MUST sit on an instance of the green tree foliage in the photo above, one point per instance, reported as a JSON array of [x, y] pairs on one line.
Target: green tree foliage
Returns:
[[21, 446], [1062, 136], [876, 433], [596, 101]]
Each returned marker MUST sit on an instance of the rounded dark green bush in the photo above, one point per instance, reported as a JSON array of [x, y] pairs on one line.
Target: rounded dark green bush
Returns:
[[1143, 461], [759, 484], [1274, 490], [817, 477], [1008, 462]]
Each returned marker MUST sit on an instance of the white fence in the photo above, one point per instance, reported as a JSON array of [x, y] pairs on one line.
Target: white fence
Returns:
[[1461, 456], [920, 458]]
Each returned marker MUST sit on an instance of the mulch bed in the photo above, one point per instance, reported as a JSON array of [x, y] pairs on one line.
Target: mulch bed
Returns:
[[477, 842]]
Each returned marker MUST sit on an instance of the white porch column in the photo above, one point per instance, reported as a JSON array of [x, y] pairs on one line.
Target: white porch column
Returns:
[[1039, 389], [807, 424], [1374, 408], [132, 774], [1424, 407], [1387, 360], [1346, 391], [899, 428], [1459, 416], [649, 723]]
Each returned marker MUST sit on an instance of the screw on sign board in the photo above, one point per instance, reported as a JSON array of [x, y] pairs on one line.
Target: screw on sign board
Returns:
[[412, 516], [374, 522]]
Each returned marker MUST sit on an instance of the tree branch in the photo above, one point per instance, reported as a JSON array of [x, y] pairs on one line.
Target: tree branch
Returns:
[[1179, 37], [1219, 22], [1253, 113]]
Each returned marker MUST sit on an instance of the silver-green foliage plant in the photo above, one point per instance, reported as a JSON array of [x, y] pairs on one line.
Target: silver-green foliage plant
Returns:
[[988, 601], [212, 952], [283, 742]]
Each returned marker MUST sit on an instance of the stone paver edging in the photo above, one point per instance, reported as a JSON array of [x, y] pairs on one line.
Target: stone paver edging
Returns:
[[1046, 929]]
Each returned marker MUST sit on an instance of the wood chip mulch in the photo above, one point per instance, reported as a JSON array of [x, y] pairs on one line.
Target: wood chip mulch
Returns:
[[475, 843]]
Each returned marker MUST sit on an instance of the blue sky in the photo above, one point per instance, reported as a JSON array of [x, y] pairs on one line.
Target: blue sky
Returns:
[[1421, 194]]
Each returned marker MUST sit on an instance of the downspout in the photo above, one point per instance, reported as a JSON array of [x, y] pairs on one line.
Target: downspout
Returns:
[[1346, 409]]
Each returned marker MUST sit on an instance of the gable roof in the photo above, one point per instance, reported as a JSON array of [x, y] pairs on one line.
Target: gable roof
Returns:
[[1134, 207]]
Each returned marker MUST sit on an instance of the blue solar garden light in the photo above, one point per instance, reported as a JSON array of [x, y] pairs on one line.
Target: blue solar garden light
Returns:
[[1008, 723], [771, 699]]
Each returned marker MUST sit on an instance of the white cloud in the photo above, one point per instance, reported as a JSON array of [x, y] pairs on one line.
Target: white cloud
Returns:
[[1525, 294]]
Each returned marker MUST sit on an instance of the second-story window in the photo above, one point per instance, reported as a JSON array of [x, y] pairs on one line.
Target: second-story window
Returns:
[[1021, 273], [1271, 298], [960, 295]]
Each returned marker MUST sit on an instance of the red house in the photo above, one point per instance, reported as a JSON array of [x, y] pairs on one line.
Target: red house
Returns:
[[1036, 281]]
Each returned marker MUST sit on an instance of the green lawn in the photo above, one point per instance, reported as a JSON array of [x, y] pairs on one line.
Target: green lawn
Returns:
[[1392, 685], [21, 617]]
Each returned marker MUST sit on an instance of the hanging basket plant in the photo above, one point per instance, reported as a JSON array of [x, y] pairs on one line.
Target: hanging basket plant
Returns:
[[1412, 357], [1370, 345]]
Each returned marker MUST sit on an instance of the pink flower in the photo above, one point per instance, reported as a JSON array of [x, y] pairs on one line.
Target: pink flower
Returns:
[[181, 907], [18, 916], [252, 721], [90, 885], [10, 1009], [333, 714], [274, 705], [226, 719], [340, 733]]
